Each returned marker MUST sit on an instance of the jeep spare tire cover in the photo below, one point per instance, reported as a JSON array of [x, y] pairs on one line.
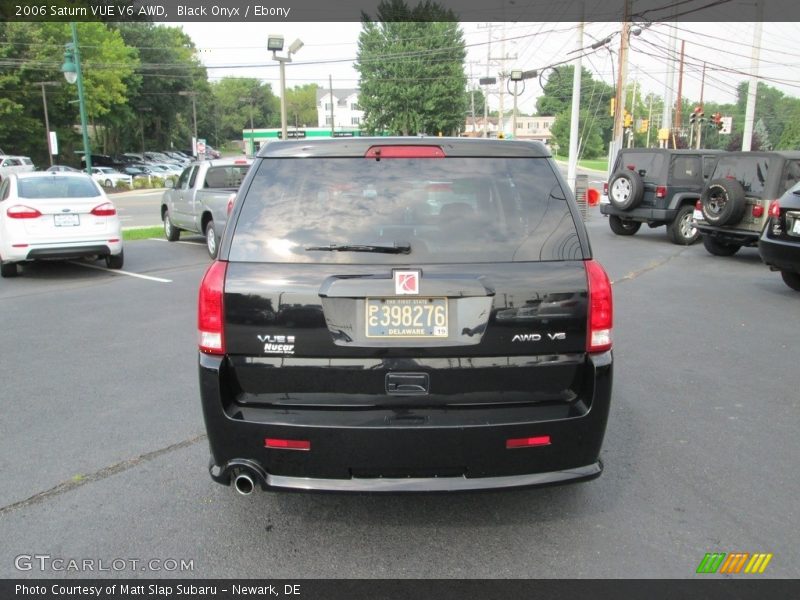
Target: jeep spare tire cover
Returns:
[[723, 202], [625, 190]]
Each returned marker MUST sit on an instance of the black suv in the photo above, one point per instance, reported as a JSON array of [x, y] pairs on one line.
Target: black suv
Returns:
[[404, 314], [658, 187], [779, 245], [734, 206]]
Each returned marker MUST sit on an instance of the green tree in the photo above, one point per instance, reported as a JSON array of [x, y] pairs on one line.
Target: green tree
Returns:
[[237, 100], [591, 144], [411, 62], [301, 105]]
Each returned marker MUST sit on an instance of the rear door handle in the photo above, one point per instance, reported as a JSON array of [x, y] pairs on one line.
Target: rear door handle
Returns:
[[407, 384]]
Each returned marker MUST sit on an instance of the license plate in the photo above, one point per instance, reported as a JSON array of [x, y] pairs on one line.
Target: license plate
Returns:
[[406, 317], [697, 215], [67, 220], [796, 227]]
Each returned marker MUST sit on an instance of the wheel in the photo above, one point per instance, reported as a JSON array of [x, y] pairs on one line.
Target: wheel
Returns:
[[108, 183], [8, 269], [621, 227], [171, 232], [682, 230], [719, 248], [115, 261], [791, 279], [723, 202], [625, 189], [211, 240]]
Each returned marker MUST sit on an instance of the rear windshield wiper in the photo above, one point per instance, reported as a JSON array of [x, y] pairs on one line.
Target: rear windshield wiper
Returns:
[[394, 248]]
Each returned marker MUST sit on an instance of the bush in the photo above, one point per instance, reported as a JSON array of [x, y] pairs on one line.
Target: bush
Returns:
[[121, 187], [140, 183]]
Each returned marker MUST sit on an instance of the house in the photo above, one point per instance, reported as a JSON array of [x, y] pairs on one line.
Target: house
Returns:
[[528, 128], [346, 111]]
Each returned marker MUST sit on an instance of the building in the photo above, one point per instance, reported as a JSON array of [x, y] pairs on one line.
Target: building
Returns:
[[346, 112], [528, 128]]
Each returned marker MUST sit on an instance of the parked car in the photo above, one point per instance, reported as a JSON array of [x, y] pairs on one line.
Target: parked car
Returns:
[[135, 172], [102, 160], [109, 177], [199, 201], [734, 206], [658, 187], [779, 245], [56, 216], [15, 164], [349, 335], [62, 169], [212, 152]]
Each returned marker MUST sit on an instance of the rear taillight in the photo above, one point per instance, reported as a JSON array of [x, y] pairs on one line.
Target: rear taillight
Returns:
[[210, 315], [23, 212], [601, 309], [775, 209], [231, 199], [758, 211], [661, 191], [106, 209], [698, 205], [605, 188]]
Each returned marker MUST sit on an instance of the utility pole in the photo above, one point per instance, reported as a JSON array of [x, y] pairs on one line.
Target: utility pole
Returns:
[[330, 89], [631, 133], [752, 88], [486, 91], [679, 101], [622, 75], [666, 117], [472, 96], [649, 121], [572, 164], [193, 96], [46, 118]]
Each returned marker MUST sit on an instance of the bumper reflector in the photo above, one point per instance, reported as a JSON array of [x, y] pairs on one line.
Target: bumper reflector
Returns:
[[529, 442], [287, 444]]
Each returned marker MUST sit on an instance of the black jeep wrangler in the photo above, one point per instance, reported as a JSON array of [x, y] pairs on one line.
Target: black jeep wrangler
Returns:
[[657, 186], [734, 206]]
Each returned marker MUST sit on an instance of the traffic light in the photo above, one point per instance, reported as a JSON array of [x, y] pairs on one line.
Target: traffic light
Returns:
[[696, 115], [716, 120], [628, 119], [613, 106], [644, 126]]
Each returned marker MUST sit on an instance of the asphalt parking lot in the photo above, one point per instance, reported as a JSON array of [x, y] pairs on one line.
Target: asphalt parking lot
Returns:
[[104, 455]]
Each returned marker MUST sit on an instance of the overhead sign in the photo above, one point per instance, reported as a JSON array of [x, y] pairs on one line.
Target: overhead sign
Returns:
[[53, 139], [727, 125], [201, 146]]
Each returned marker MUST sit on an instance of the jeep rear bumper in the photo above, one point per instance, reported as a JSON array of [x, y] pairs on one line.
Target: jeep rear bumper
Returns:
[[640, 214], [742, 237]]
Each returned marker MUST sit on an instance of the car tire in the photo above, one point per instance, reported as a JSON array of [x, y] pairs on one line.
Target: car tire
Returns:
[[115, 261], [171, 232], [8, 269], [682, 230], [625, 189], [622, 227], [723, 202], [108, 183], [718, 248], [212, 242], [791, 279]]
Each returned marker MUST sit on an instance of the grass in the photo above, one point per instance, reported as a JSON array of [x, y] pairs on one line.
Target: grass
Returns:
[[142, 233], [596, 164]]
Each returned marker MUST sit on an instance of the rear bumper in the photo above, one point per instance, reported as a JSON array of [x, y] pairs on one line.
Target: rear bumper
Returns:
[[640, 214], [743, 237], [380, 449], [780, 254], [62, 251]]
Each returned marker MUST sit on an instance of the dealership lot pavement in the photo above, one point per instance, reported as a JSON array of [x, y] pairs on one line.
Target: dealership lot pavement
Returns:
[[104, 457]]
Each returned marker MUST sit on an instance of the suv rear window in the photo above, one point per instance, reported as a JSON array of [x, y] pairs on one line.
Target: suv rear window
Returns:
[[751, 171], [454, 210], [648, 164]]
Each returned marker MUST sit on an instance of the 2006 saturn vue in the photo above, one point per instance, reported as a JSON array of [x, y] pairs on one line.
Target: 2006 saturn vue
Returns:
[[404, 315]]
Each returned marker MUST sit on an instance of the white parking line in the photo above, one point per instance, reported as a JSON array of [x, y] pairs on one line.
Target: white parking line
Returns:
[[120, 272], [197, 243]]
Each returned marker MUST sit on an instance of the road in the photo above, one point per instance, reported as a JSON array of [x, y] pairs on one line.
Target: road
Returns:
[[103, 453], [139, 208]]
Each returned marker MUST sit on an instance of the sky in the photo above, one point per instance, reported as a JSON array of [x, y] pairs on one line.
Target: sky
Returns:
[[239, 50]]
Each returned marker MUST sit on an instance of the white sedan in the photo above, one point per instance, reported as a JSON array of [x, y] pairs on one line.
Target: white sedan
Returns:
[[108, 177], [56, 216]]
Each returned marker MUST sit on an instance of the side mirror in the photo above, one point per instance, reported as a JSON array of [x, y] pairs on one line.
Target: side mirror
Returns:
[[169, 183]]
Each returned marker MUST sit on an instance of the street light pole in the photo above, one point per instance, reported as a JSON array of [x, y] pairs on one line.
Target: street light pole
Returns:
[[72, 73], [46, 119], [275, 43]]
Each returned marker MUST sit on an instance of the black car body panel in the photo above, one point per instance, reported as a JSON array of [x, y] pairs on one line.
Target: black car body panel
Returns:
[[779, 245], [402, 407]]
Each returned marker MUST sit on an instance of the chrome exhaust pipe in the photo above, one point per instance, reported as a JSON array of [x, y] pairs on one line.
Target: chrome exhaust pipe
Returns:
[[244, 484]]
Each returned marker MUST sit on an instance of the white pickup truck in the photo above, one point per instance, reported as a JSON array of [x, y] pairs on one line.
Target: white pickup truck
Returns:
[[198, 201]]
